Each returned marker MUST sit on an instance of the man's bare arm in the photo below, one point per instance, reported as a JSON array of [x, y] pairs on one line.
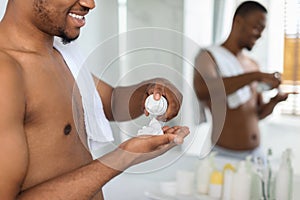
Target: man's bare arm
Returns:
[[117, 103], [85, 182], [13, 146], [265, 110], [127, 103], [207, 80], [205, 86]]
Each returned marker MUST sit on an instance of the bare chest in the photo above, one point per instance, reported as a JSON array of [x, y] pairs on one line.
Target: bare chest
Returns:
[[247, 64], [54, 124]]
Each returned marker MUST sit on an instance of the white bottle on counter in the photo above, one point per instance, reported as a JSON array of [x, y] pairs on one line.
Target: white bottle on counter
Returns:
[[241, 183], [215, 185], [256, 186], [228, 172], [204, 171], [284, 178]]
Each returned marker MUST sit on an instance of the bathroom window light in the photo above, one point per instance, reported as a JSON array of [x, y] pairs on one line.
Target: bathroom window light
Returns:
[[291, 71]]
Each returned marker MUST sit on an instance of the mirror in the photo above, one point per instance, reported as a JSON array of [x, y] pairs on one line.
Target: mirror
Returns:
[[208, 22]]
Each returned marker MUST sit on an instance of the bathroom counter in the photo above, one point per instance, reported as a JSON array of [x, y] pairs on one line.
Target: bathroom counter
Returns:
[[140, 183]]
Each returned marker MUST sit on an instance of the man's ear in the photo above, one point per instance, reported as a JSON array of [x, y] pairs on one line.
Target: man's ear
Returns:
[[238, 19]]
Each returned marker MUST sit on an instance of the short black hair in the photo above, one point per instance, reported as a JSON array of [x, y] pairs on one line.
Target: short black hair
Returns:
[[248, 7]]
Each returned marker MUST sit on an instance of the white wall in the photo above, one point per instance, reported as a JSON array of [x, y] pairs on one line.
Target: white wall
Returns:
[[102, 23], [198, 32], [2, 7]]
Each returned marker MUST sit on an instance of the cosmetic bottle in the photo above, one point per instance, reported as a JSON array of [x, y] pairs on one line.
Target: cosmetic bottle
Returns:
[[228, 172], [156, 107], [215, 185], [257, 181], [204, 170], [268, 177], [284, 178], [241, 183]]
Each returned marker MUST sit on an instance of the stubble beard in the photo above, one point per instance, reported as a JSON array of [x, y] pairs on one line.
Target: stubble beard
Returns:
[[65, 38], [40, 8]]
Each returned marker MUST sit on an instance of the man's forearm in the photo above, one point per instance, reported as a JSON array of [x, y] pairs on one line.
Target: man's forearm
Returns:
[[232, 84], [82, 183], [214, 87], [126, 102]]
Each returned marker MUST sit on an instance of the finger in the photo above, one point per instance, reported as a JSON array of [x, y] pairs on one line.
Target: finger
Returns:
[[143, 104], [150, 89], [160, 140], [165, 128], [162, 118], [280, 97], [174, 104], [181, 134], [172, 110], [171, 130], [146, 112], [158, 91], [288, 93], [284, 97], [176, 127]]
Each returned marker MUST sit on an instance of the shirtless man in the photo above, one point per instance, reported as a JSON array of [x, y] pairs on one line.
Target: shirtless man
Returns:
[[41, 153], [240, 134]]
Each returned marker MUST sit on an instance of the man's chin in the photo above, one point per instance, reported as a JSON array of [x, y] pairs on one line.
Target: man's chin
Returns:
[[249, 48], [66, 39]]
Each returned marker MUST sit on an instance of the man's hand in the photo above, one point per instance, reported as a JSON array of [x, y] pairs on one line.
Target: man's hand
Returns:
[[143, 148], [147, 146], [281, 96], [273, 80], [162, 87], [266, 109], [127, 103]]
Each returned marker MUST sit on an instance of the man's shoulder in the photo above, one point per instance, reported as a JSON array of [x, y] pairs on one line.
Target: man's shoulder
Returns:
[[7, 58], [205, 54], [9, 66], [211, 50]]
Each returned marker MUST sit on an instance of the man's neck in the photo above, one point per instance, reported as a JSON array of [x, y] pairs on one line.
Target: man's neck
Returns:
[[232, 46], [20, 34]]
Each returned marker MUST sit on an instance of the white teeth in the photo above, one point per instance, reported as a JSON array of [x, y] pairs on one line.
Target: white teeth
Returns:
[[76, 16]]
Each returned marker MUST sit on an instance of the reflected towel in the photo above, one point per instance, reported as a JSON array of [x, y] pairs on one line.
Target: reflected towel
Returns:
[[98, 130], [228, 66]]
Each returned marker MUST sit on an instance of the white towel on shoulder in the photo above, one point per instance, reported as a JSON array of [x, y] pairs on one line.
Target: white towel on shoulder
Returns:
[[228, 66], [97, 126]]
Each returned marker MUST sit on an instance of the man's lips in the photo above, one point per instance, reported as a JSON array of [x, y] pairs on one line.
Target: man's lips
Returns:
[[78, 19], [76, 16]]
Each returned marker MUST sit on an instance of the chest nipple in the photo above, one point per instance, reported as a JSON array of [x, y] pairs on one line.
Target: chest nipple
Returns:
[[67, 129]]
